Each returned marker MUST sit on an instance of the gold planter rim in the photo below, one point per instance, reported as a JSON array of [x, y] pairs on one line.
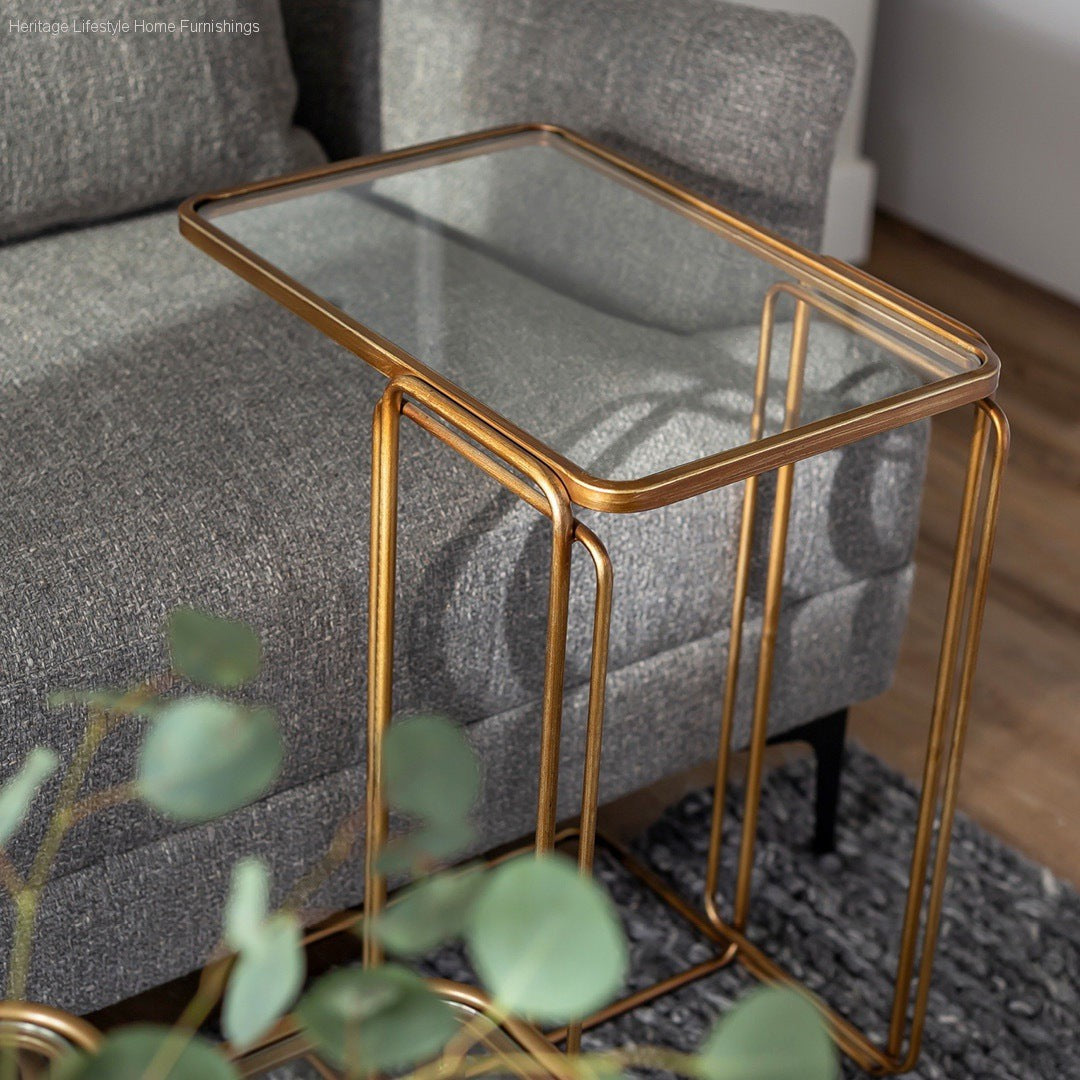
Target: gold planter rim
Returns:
[[77, 1031]]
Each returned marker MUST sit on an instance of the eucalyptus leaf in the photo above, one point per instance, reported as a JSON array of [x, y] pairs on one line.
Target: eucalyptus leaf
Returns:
[[19, 792], [204, 757], [248, 902], [430, 769], [379, 1018], [546, 941], [772, 1034], [434, 910], [265, 980], [127, 1053], [218, 653], [435, 842]]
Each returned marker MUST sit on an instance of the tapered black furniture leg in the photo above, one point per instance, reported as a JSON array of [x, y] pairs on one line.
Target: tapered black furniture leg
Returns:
[[826, 736]]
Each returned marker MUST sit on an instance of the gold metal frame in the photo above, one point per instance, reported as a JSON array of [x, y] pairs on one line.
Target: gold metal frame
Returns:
[[956, 669], [455, 427], [552, 485], [461, 430], [971, 376]]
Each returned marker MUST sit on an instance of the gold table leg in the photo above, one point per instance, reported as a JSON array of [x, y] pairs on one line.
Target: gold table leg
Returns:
[[496, 456], [970, 575], [959, 651], [960, 643]]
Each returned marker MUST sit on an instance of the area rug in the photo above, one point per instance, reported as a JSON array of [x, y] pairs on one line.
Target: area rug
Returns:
[[1005, 998], [1005, 1001]]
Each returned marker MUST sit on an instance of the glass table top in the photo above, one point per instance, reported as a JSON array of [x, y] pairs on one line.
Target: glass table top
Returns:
[[609, 321]]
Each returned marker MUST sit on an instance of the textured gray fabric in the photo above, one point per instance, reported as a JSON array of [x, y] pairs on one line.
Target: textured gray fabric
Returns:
[[742, 104], [139, 917], [163, 445], [95, 124]]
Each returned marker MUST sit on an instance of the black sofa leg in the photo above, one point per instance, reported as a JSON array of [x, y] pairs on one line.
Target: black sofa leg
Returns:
[[826, 737]]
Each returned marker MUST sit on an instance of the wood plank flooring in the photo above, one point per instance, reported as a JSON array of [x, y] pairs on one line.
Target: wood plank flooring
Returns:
[[1021, 774]]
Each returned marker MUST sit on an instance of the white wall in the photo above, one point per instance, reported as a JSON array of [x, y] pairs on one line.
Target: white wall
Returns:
[[974, 124], [849, 212]]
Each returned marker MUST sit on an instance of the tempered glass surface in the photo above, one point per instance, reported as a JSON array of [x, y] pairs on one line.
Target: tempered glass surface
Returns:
[[608, 321]]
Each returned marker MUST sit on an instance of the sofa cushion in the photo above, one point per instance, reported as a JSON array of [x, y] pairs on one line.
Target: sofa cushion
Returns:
[[741, 104], [832, 649], [171, 436], [97, 124]]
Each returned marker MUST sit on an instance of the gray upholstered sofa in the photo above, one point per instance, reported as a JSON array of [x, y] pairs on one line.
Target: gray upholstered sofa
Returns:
[[169, 436]]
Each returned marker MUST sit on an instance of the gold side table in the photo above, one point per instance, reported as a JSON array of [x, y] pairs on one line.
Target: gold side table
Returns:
[[327, 232]]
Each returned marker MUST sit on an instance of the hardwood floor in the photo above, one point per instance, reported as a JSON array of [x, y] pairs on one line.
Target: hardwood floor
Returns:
[[1021, 774]]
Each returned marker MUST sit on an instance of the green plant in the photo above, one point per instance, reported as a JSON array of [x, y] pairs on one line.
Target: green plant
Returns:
[[545, 941]]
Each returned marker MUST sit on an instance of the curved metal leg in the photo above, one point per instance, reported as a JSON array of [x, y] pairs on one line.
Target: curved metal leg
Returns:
[[989, 419], [959, 650], [769, 625], [952, 694], [383, 560], [455, 426], [594, 726]]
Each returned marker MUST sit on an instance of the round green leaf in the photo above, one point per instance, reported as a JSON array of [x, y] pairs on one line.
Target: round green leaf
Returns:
[[19, 792], [265, 980], [126, 1055], [379, 1018], [247, 903], [204, 757], [430, 769], [219, 653], [547, 941], [771, 1034], [430, 912]]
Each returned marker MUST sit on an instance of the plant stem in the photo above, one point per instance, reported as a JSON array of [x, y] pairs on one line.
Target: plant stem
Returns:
[[209, 991], [341, 847], [27, 902], [102, 800], [456, 1050], [26, 905], [10, 878]]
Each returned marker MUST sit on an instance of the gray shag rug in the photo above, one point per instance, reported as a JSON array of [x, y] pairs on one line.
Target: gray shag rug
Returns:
[[1005, 1001]]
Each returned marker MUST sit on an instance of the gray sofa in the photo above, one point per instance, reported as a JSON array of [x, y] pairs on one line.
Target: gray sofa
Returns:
[[169, 436]]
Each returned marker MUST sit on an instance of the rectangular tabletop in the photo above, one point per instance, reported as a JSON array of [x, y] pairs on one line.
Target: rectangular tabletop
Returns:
[[607, 320]]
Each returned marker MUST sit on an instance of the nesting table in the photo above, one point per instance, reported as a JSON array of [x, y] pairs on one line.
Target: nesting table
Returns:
[[570, 211]]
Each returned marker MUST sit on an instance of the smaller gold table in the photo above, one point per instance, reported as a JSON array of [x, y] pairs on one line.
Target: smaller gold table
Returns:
[[561, 196]]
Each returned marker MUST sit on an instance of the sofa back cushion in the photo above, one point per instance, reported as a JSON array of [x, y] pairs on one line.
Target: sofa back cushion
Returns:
[[741, 104], [96, 123]]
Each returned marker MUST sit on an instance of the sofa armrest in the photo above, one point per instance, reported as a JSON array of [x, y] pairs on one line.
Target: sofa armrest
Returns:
[[741, 104]]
